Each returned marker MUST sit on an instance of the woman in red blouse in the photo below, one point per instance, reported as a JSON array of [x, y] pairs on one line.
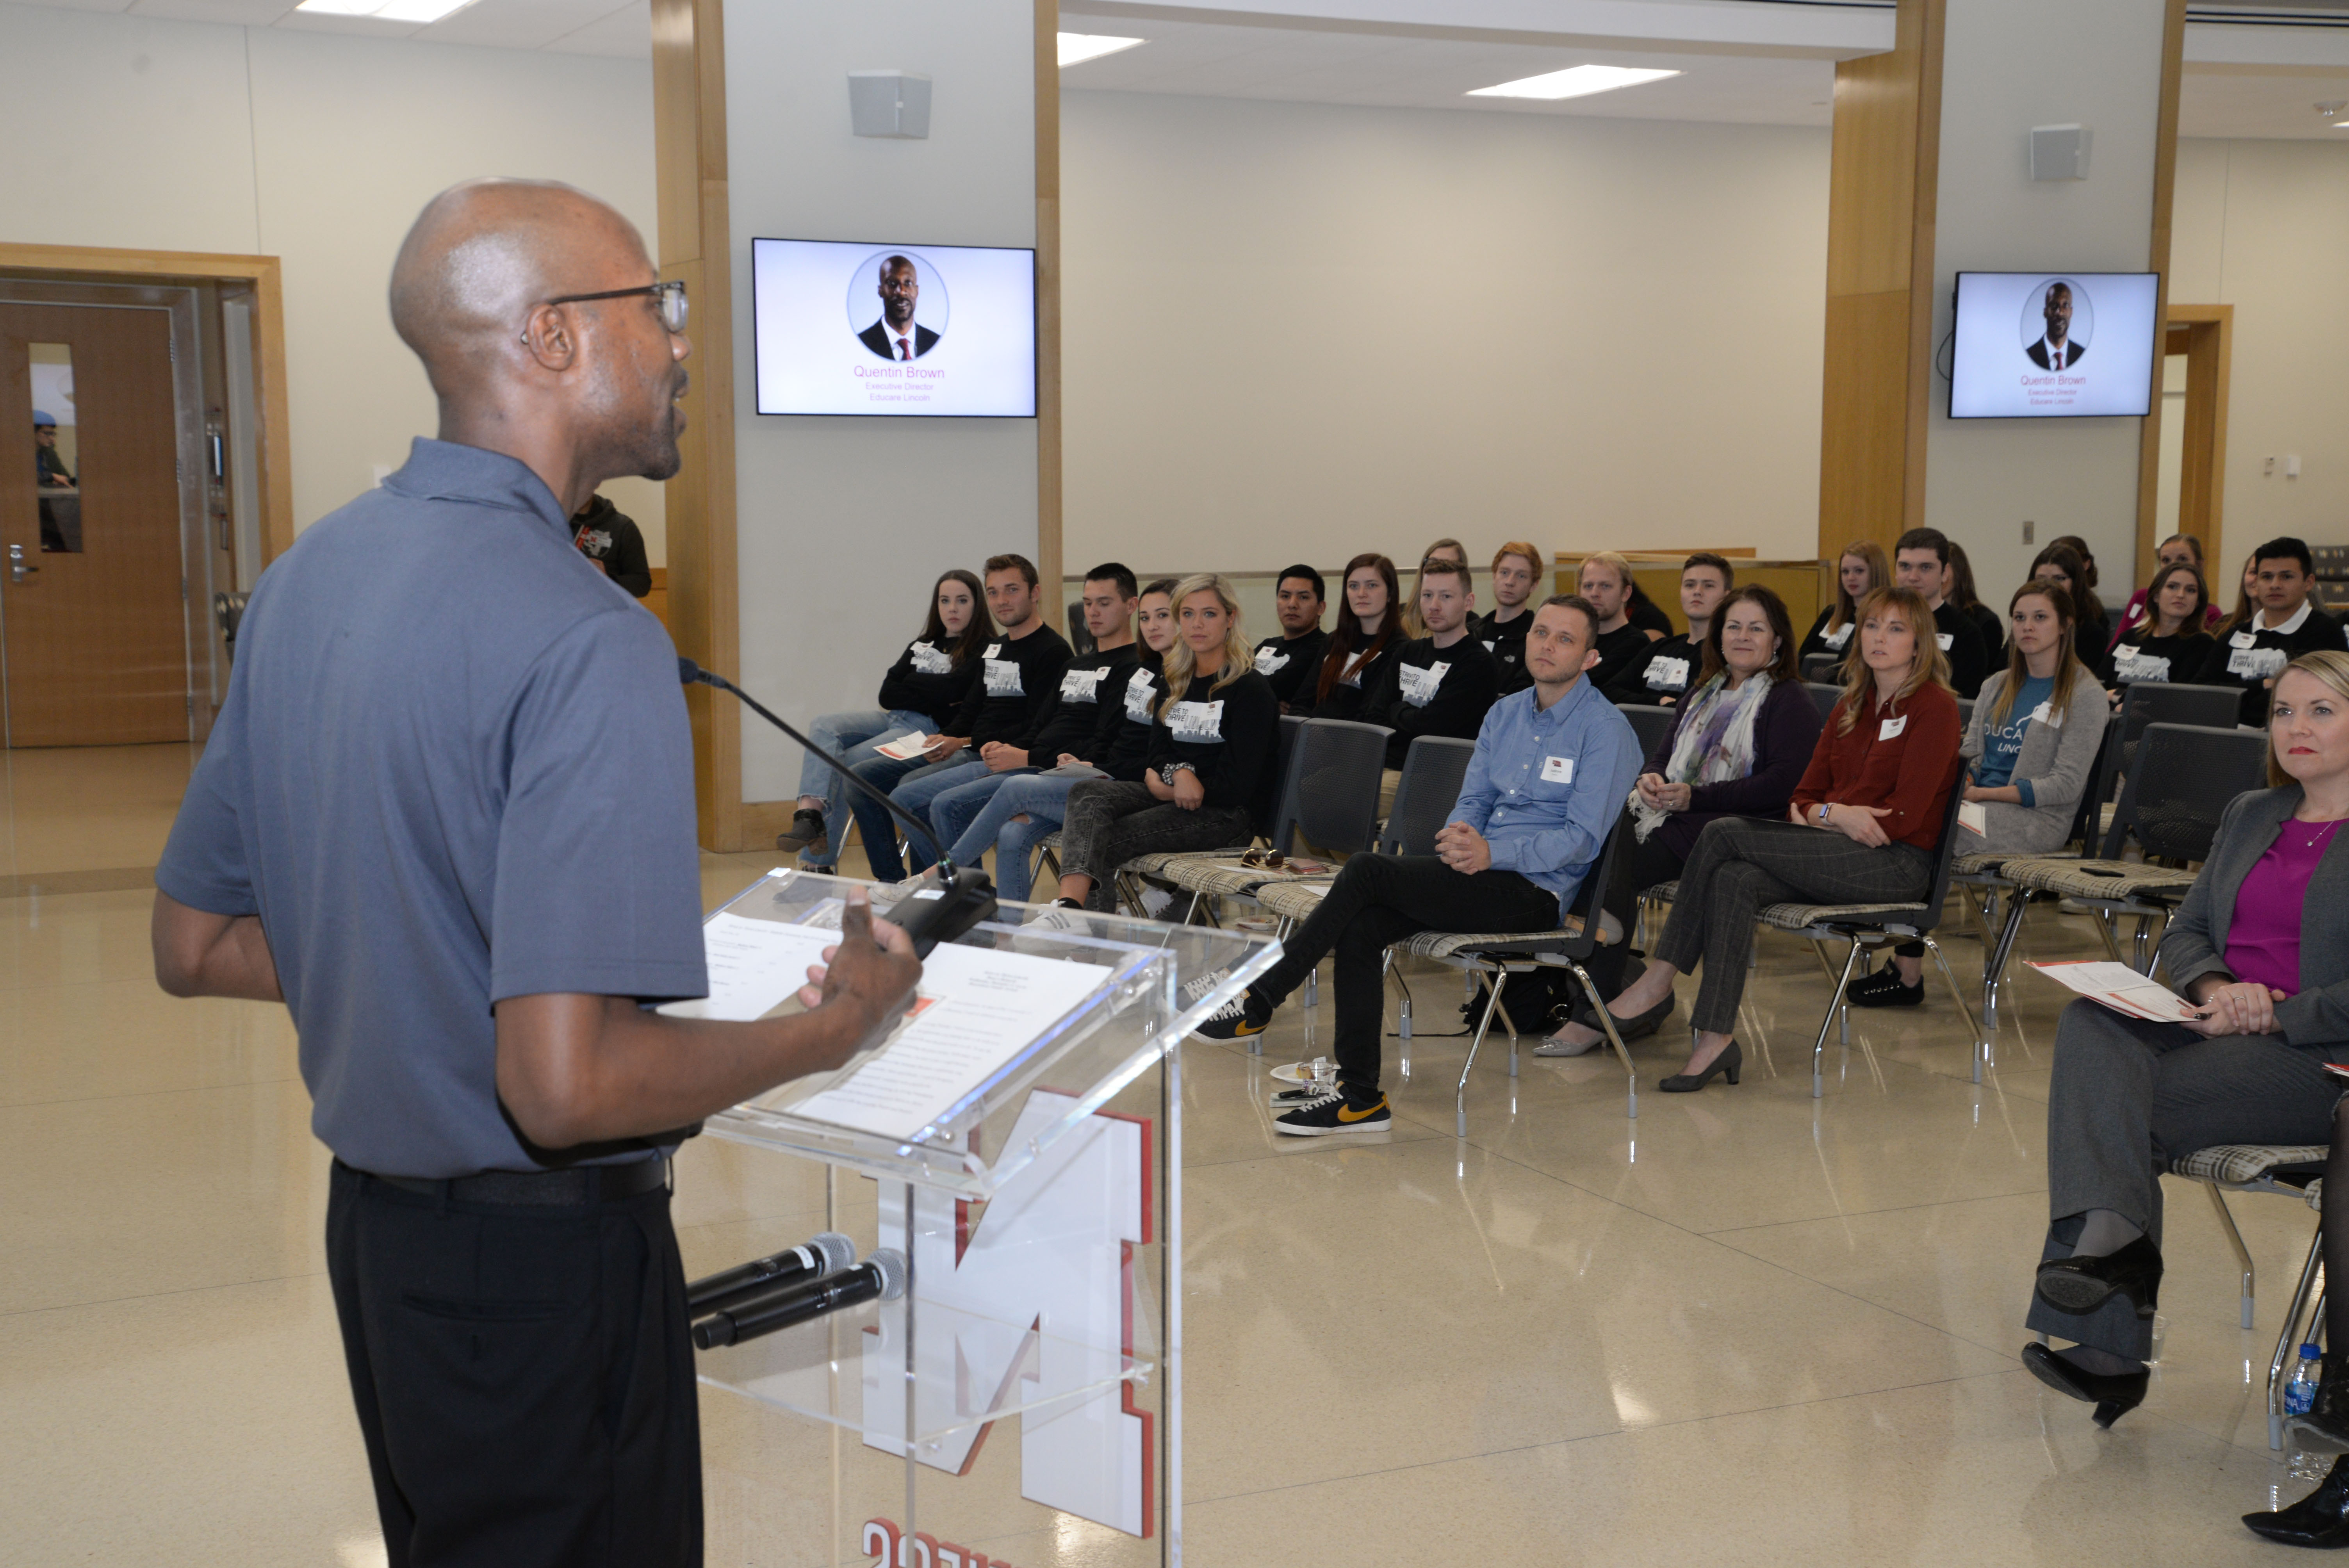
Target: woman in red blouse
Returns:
[[1863, 827]]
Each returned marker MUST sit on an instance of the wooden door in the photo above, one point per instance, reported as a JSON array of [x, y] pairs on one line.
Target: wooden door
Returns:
[[90, 584]]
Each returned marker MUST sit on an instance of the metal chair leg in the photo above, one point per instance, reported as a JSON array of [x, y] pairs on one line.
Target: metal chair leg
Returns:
[[2104, 930], [1313, 988], [1981, 1037], [2291, 1321], [1622, 1052], [1460, 1097], [2234, 1240], [1835, 1007], [1506, 1022], [1995, 966]]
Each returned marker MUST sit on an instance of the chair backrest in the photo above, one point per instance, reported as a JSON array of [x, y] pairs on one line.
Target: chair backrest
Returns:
[[1080, 640], [1650, 724], [1945, 854], [1429, 788], [2100, 780], [1331, 789], [2159, 702], [1587, 897], [2183, 778], [1965, 715], [1284, 805], [1820, 668], [1824, 696]]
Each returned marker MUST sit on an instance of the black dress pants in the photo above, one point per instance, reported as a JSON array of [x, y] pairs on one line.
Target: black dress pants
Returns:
[[523, 1376], [1382, 899], [1638, 867]]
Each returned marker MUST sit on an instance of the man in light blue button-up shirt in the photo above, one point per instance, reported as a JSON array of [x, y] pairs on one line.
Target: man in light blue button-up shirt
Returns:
[[1552, 766]]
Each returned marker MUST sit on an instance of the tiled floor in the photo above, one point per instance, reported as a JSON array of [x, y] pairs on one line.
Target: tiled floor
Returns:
[[1750, 1327]]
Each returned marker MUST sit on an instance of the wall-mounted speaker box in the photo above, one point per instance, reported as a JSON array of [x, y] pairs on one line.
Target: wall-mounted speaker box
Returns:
[[895, 104], [2059, 152]]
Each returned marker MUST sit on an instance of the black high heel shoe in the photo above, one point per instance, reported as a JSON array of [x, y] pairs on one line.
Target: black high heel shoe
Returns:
[[2114, 1395], [1729, 1064], [2321, 1519], [2079, 1286]]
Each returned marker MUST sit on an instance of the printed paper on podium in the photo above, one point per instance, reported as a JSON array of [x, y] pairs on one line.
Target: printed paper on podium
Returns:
[[979, 1009], [754, 966], [2121, 988]]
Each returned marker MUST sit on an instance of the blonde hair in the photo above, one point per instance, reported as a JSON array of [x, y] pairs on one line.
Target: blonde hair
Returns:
[[2329, 666], [1609, 559], [1879, 575], [1238, 657], [1929, 667]]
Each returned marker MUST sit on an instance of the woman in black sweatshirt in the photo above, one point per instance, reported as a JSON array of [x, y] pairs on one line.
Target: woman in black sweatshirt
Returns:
[[919, 694], [1209, 775], [1370, 631]]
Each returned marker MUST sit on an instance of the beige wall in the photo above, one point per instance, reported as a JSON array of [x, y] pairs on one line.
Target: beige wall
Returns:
[[318, 148], [1299, 331], [2264, 226]]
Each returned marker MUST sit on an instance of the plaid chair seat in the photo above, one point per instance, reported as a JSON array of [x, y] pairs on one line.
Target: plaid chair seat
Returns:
[[2238, 1163], [1522, 943], [1218, 874], [2098, 878], [1294, 898], [1803, 916], [1665, 892]]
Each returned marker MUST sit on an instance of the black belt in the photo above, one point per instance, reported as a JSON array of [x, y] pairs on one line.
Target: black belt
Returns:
[[580, 1185]]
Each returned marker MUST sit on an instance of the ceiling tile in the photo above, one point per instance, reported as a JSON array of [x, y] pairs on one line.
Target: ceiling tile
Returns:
[[236, 13], [625, 34]]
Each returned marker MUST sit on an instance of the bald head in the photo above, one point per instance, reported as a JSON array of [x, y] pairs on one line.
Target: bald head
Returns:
[[472, 292]]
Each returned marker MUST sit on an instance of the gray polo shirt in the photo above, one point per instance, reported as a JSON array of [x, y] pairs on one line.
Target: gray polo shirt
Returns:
[[453, 768]]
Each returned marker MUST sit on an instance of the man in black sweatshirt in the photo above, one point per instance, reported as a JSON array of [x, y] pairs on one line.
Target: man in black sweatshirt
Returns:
[[1020, 673], [1660, 674], [1291, 661], [1919, 563], [1604, 579], [1066, 725], [1442, 684], [2284, 626]]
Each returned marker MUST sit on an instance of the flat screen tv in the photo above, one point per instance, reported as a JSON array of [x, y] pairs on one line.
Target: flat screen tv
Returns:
[[894, 330], [2053, 345]]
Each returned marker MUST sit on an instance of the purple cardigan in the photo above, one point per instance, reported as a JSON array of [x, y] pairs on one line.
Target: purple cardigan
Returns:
[[1785, 732]]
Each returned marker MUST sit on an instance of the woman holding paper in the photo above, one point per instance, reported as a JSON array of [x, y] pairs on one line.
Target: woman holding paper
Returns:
[[2259, 956], [2030, 748], [1861, 828], [1209, 775]]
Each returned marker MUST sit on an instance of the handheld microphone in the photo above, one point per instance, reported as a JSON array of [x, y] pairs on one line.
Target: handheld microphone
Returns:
[[880, 1277], [821, 1256], [962, 896]]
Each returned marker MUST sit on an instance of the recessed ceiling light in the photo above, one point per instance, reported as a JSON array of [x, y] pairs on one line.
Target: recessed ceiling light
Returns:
[[1076, 48], [1580, 81], [418, 11]]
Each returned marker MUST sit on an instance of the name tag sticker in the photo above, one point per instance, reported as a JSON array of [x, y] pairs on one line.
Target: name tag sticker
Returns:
[[1944, 639], [2242, 639], [1557, 769], [2045, 714], [1892, 728], [1488, 645]]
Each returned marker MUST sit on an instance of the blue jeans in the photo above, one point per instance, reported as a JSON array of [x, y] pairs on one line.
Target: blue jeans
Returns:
[[855, 735], [978, 821], [920, 792]]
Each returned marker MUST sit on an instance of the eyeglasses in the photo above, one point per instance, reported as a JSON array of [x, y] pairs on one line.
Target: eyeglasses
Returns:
[[670, 296]]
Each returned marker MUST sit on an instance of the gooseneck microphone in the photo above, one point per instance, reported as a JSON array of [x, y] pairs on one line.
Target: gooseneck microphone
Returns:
[[822, 1254], [880, 1277]]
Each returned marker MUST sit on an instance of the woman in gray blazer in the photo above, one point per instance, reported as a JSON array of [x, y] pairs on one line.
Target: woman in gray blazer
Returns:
[[2260, 952], [2028, 750]]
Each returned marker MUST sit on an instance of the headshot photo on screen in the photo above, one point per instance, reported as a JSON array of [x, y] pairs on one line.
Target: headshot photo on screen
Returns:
[[2055, 336], [903, 329]]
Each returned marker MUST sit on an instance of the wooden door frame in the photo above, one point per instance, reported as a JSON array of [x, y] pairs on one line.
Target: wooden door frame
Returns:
[[2205, 335], [263, 275]]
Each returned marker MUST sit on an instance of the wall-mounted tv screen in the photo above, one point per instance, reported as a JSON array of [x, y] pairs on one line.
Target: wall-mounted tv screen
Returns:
[[907, 330], [2053, 345]]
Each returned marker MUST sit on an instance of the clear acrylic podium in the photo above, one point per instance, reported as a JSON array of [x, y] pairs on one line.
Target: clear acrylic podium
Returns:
[[1035, 1360]]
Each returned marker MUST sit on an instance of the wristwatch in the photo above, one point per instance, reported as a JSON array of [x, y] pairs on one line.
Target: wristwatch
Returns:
[[1825, 807]]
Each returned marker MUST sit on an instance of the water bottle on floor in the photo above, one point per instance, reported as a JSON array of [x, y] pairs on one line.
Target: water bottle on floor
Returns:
[[2299, 1393]]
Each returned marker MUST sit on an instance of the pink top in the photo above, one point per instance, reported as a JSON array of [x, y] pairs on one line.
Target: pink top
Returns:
[[2263, 940]]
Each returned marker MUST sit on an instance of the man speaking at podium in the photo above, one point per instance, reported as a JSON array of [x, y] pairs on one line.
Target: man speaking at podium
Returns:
[[447, 815]]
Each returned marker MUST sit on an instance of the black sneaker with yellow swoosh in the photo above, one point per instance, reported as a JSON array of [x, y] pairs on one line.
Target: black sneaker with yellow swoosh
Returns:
[[1335, 1115]]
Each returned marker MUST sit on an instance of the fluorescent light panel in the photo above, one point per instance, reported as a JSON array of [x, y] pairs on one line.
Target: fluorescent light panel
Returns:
[[1577, 81], [418, 11], [1076, 48]]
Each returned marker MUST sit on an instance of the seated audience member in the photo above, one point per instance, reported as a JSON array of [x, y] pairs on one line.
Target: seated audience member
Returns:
[[919, 695], [2061, 565], [1643, 611], [1210, 774], [1860, 570], [1370, 631], [1442, 684], [1921, 564], [2169, 641], [1291, 660], [2031, 742], [1966, 596], [1029, 807], [1517, 567], [1543, 790], [2261, 950], [1742, 739], [1064, 727], [2253, 648], [2178, 550], [1020, 671], [2084, 601], [1660, 673], [610, 538], [1862, 829], [1604, 580], [1442, 550]]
